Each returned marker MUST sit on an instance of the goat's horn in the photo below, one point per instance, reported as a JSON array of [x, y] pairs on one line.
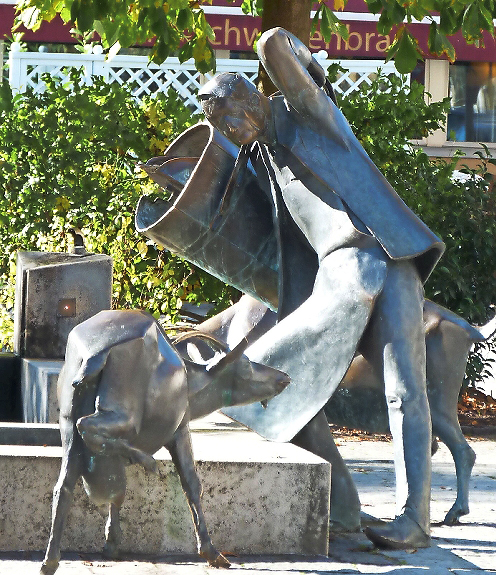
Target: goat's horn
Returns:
[[233, 355], [205, 336]]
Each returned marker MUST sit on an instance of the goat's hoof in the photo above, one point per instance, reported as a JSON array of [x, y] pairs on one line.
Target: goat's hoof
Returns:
[[453, 516], [213, 557], [111, 551], [451, 521], [48, 567], [220, 561]]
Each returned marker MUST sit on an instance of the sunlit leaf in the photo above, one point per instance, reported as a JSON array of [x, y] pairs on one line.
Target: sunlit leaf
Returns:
[[406, 54]]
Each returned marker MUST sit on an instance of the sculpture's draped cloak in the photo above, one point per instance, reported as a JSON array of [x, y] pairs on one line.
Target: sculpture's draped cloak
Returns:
[[337, 277], [348, 170]]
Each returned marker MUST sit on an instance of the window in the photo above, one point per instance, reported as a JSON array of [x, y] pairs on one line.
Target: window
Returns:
[[472, 87]]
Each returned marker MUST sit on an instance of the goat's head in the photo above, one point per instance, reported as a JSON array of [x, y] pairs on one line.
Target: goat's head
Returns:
[[242, 380]]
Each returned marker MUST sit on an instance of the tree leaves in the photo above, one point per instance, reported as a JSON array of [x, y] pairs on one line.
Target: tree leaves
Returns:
[[172, 24], [30, 18], [329, 23], [253, 7], [68, 158], [184, 19], [179, 23], [392, 14], [404, 50], [439, 44], [471, 17]]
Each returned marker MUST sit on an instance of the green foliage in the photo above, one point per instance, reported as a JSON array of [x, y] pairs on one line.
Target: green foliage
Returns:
[[472, 17], [253, 7], [386, 116], [181, 24], [69, 159], [329, 23], [176, 24]]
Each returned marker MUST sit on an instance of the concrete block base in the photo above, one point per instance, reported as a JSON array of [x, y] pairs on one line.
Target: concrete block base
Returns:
[[258, 497], [30, 434]]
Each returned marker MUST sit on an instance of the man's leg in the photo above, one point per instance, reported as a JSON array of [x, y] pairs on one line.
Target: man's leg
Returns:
[[234, 324], [345, 503], [395, 345], [315, 344]]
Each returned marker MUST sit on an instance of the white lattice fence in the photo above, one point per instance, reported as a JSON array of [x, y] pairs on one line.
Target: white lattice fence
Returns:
[[143, 77], [359, 72], [147, 78], [26, 68], [247, 68]]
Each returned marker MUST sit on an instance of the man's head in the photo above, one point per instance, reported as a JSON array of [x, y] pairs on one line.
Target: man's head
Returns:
[[236, 108]]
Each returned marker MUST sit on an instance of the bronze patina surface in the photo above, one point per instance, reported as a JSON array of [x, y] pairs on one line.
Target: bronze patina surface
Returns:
[[351, 261]]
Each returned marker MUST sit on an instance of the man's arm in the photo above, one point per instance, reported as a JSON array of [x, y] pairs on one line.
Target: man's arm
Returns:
[[299, 77]]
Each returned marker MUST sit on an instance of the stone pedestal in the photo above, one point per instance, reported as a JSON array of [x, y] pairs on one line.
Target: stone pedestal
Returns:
[[39, 390], [258, 497], [54, 293]]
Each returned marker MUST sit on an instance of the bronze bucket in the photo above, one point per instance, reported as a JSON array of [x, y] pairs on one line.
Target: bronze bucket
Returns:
[[194, 172]]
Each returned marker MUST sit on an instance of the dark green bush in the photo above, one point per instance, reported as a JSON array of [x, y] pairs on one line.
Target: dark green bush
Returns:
[[386, 116], [68, 158]]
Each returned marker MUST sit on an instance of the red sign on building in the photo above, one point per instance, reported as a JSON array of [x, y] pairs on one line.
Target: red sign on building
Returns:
[[237, 31]]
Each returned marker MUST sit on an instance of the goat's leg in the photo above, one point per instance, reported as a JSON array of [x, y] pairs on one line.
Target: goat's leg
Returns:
[[345, 503], [182, 456], [113, 532], [446, 426], [70, 472], [105, 432], [464, 457], [447, 352]]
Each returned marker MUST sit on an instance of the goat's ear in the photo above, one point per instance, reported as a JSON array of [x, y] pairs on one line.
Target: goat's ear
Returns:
[[237, 351], [230, 357]]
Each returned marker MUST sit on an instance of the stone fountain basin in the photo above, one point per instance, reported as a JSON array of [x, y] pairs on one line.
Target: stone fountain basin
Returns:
[[258, 496]]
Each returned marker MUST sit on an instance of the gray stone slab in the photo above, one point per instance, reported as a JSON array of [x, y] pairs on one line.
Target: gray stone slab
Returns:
[[39, 390], [258, 497], [54, 293], [29, 434], [467, 549]]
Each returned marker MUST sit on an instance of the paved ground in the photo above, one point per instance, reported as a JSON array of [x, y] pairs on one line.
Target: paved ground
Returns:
[[467, 549]]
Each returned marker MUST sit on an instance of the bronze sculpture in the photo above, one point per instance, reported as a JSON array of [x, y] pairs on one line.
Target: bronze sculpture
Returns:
[[197, 168], [352, 261], [124, 392], [448, 341]]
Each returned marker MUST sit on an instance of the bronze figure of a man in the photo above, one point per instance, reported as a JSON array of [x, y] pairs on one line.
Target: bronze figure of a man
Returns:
[[352, 261]]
